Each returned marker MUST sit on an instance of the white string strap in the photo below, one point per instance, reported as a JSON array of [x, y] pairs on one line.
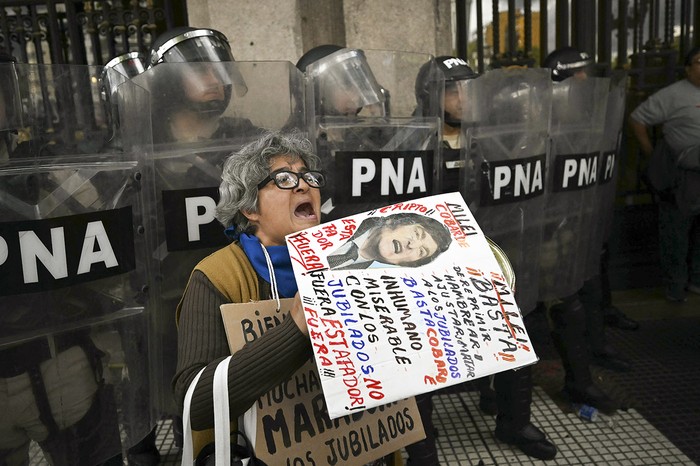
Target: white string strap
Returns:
[[187, 453], [249, 421], [222, 418], [273, 279]]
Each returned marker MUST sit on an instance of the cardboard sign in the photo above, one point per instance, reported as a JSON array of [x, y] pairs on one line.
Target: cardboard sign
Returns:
[[404, 300], [292, 419]]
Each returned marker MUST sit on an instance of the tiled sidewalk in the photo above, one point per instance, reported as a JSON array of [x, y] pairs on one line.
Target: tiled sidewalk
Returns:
[[466, 437]]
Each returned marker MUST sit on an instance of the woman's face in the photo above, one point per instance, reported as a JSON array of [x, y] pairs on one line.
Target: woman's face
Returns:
[[285, 211]]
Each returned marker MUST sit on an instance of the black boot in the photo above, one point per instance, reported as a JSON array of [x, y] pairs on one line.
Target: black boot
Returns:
[[568, 337], [513, 426], [424, 452]]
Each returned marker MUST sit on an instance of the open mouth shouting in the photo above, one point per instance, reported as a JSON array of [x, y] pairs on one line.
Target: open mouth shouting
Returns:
[[305, 211]]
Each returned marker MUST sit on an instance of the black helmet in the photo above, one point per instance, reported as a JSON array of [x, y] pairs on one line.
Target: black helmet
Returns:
[[565, 62], [316, 54], [343, 81], [455, 69], [449, 68]]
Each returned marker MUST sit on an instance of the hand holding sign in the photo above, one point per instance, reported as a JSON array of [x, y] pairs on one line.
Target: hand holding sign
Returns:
[[297, 313]]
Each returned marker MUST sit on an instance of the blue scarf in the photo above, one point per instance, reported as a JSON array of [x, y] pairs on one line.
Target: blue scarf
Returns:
[[282, 263]]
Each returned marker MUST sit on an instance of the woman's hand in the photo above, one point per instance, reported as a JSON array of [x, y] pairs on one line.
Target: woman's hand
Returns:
[[297, 314]]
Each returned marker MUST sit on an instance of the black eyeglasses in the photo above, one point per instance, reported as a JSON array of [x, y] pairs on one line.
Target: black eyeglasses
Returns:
[[285, 179]]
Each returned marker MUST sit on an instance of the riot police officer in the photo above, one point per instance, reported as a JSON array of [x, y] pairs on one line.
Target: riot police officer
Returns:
[[453, 70], [577, 319], [568, 62], [513, 389], [352, 115], [190, 99], [344, 89], [193, 86]]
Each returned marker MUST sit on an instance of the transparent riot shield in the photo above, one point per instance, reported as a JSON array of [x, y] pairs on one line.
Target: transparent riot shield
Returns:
[[577, 122], [505, 132], [73, 278], [381, 154], [608, 164], [396, 73], [198, 113]]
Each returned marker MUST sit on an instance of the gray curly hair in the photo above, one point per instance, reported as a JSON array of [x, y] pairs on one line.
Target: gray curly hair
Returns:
[[243, 170]]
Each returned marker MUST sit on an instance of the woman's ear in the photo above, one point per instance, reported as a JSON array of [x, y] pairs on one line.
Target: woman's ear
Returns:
[[252, 217]]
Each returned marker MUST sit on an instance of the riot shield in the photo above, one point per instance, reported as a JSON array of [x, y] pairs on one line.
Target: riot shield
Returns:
[[607, 171], [577, 122], [73, 278], [185, 166], [505, 133], [383, 154]]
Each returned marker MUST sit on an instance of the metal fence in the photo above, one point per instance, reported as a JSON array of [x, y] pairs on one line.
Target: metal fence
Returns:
[[57, 32], [84, 32], [648, 38], [523, 32]]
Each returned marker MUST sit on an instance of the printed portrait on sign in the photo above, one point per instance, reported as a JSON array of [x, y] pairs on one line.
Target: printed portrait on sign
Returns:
[[403, 240]]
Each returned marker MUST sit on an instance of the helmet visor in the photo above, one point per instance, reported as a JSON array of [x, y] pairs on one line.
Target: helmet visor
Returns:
[[345, 83], [129, 64], [118, 70], [199, 47], [193, 46]]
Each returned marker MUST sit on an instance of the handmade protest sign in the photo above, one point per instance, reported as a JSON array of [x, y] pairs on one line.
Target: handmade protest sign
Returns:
[[404, 300], [291, 420]]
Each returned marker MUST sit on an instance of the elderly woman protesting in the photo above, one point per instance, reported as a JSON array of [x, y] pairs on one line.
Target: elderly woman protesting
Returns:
[[269, 189]]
